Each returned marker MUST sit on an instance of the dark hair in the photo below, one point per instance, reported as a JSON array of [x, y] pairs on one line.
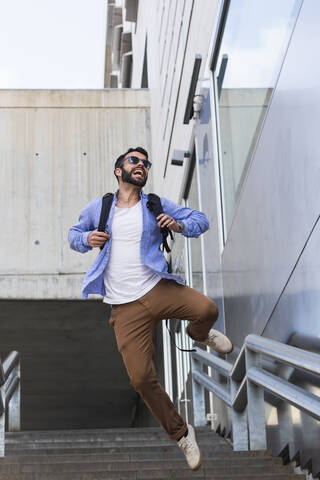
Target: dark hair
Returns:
[[120, 160]]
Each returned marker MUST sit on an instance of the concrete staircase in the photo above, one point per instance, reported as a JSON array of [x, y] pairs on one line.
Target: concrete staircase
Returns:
[[136, 453]]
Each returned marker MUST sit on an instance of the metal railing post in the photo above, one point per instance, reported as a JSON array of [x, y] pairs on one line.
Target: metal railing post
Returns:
[[199, 409], [256, 415], [14, 406], [239, 423], [2, 420]]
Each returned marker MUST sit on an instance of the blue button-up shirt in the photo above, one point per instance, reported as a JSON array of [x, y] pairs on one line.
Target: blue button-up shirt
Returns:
[[195, 223]]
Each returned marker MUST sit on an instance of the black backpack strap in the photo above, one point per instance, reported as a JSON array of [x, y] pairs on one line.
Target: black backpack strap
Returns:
[[105, 209], [154, 205]]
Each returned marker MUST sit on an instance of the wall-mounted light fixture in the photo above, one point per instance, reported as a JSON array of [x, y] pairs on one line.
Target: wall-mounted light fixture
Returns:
[[192, 89], [197, 105], [178, 157]]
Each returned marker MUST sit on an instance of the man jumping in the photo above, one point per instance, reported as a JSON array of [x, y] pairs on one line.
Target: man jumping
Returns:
[[131, 273]]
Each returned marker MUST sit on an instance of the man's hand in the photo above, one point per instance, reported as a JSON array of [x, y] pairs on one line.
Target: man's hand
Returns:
[[97, 239], [167, 221]]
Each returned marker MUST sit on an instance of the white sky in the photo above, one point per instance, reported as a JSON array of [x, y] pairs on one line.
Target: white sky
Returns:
[[52, 43]]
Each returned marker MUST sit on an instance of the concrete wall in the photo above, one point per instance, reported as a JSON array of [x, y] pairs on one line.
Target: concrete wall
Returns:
[[58, 149], [72, 375]]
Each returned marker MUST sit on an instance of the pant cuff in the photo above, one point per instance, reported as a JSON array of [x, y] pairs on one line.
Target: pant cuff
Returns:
[[180, 433], [196, 338]]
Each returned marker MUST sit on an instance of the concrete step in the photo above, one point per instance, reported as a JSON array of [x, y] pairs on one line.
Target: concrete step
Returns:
[[209, 474], [155, 466], [95, 434], [205, 474], [177, 455], [89, 431], [106, 442], [103, 437], [217, 452], [73, 476], [140, 454], [110, 444], [291, 476], [114, 449]]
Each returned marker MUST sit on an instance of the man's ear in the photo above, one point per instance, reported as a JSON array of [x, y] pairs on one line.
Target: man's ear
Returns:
[[118, 172]]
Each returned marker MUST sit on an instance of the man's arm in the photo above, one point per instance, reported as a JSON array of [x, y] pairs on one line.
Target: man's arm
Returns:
[[194, 221], [79, 233]]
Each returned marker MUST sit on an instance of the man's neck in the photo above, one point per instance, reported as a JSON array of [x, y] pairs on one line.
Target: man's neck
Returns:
[[128, 195]]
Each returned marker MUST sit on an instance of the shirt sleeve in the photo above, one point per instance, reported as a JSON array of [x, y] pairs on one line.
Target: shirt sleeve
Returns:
[[78, 233], [195, 222]]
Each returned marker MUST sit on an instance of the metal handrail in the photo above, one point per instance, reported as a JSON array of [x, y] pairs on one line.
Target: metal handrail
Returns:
[[247, 381], [10, 362], [293, 356], [9, 396]]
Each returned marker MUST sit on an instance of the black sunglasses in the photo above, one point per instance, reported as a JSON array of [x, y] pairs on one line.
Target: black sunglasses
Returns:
[[135, 160]]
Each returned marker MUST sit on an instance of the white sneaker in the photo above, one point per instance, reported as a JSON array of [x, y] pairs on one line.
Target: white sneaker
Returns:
[[218, 342], [191, 449]]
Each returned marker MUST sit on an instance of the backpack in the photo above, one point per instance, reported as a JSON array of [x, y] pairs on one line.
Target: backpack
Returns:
[[154, 205]]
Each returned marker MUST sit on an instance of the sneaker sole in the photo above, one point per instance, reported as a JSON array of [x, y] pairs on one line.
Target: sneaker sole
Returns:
[[232, 347]]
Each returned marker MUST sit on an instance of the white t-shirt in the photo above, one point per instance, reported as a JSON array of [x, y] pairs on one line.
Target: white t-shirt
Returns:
[[126, 278]]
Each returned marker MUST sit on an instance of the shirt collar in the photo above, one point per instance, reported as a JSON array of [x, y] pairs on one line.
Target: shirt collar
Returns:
[[142, 194]]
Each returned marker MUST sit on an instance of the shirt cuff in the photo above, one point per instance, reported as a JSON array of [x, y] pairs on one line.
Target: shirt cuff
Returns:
[[181, 225], [84, 239]]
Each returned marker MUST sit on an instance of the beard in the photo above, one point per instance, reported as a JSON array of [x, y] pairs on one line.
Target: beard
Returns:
[[128, 178]]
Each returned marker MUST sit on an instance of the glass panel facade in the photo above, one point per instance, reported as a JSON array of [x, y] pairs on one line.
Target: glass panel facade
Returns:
[[253, 46]]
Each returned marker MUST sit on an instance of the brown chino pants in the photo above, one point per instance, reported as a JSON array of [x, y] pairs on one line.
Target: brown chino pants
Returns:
[[134, 325]]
